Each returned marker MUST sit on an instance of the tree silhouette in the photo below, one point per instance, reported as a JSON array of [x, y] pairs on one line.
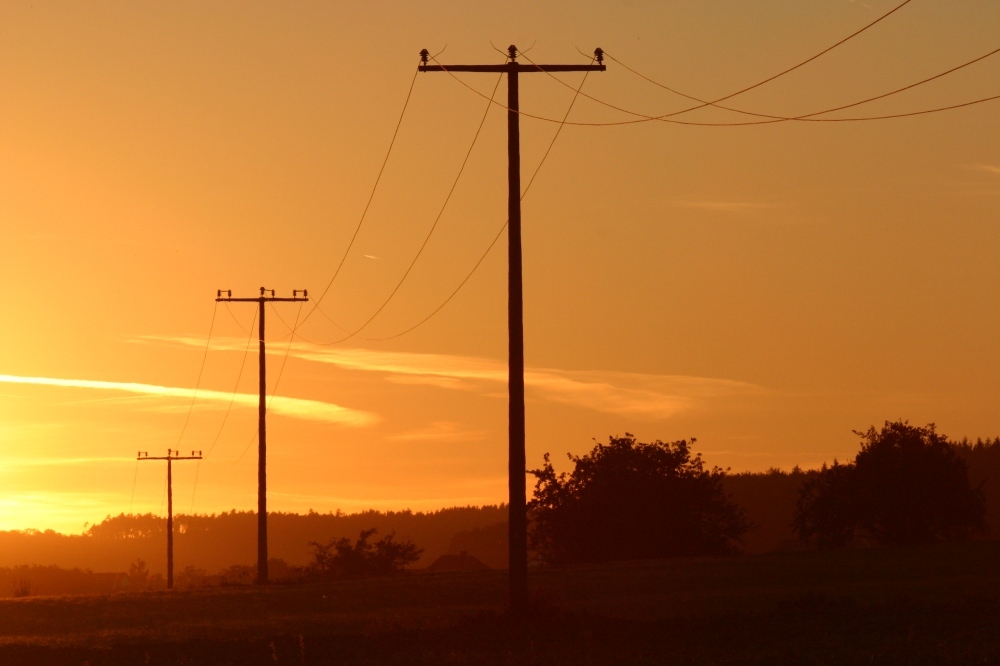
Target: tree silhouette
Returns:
[[907, 485], [630, 500], [340, 559]]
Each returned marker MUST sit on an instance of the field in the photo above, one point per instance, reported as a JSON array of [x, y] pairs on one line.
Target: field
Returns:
[[933, 605]]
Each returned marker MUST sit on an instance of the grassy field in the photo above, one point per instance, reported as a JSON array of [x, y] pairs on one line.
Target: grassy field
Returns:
[[935, 605]]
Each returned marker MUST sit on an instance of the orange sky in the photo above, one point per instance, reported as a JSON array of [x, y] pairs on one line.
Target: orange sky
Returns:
[[764, 289]]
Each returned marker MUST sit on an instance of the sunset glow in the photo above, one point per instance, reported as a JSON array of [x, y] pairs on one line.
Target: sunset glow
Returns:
[[763, 289]]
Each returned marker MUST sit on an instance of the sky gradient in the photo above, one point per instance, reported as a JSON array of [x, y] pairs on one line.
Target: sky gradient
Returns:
[[764, 289]]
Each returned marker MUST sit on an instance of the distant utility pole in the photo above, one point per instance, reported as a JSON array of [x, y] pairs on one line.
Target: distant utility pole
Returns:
[[170, 457], [262, 421], [517, 467]]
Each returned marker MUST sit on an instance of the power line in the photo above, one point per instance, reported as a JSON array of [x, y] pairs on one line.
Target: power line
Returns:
[[804, 116], [371, 196], [674, 121], [809, 60], [917, 113], [197, 385], [229, 408], [721, 99], [262, 406], [170, 458], [284, 359], [232, 399], [502, 228], [229, 310], [430, 232]]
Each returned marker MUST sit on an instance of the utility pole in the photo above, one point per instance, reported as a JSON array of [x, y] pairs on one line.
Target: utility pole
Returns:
[[517, 467], [262, 420], [170, 458]]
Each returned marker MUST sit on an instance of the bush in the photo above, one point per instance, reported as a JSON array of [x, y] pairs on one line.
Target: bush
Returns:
[[340, 559], [629, 500], [907, 485]]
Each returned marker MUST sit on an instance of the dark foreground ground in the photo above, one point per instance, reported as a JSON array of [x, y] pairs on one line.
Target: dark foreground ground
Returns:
[[938, 605]]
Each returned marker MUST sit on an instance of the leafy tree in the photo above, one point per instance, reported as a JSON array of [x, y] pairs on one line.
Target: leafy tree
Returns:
[[341, 559], [907, 485], [629, 500]]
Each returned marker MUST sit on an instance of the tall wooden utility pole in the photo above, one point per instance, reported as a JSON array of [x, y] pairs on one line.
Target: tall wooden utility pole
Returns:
[[262, 421], [516, 468], [170, 457]]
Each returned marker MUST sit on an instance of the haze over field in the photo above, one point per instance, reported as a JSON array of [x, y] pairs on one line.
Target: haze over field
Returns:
[[764, 289]]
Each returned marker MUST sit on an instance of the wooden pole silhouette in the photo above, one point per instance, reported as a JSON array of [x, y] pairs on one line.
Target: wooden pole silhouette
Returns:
[[516, 466], [170, 458], [262, 420]]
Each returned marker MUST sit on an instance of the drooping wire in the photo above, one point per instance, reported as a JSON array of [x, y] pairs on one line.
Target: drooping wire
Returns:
[[237, 320], [674, 121], [201, 371], [721, 99], [284, 358], [371, 196], [502, 228], [809, 60], [430, 232], [229, 408], [804, 116]]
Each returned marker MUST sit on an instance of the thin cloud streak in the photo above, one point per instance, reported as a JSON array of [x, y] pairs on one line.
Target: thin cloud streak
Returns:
[[724, 206], [439, 431], [633, 394], [311, 410]]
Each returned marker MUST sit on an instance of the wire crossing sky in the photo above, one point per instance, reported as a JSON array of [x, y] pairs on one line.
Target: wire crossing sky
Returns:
[[765, 288]]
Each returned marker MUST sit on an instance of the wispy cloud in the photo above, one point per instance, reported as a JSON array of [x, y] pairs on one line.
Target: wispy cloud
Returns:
[[988, 168], [653, 396], [439, 431], [723, 206], [312, 410]]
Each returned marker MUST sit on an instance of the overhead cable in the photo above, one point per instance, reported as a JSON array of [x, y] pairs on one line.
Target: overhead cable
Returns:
[[430, 232], [371, 196], [201, 371], [674, 121], [503, 227], [800, 117], [229, 408]]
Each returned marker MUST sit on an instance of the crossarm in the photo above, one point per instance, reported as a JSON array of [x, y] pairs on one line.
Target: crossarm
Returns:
[[512, 67]]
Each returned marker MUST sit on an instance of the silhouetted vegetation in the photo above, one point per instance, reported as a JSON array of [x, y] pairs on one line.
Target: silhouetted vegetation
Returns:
[[631, 500], [214, 542], [768, 498], [907, 485], [339, 559]]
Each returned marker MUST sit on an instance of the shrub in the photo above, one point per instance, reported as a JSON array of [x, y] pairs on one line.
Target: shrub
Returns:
[[630, 500], [907, 485], [340, 559]]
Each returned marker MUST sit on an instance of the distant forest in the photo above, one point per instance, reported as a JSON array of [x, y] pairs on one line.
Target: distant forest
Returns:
[[769, 497], [213, 543]]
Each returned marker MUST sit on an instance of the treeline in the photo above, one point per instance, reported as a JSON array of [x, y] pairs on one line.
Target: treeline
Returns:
[[222, 547], [769, 498], [214, 543]]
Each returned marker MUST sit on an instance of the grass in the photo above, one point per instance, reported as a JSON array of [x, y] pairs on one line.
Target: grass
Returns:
[[933, 605]]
